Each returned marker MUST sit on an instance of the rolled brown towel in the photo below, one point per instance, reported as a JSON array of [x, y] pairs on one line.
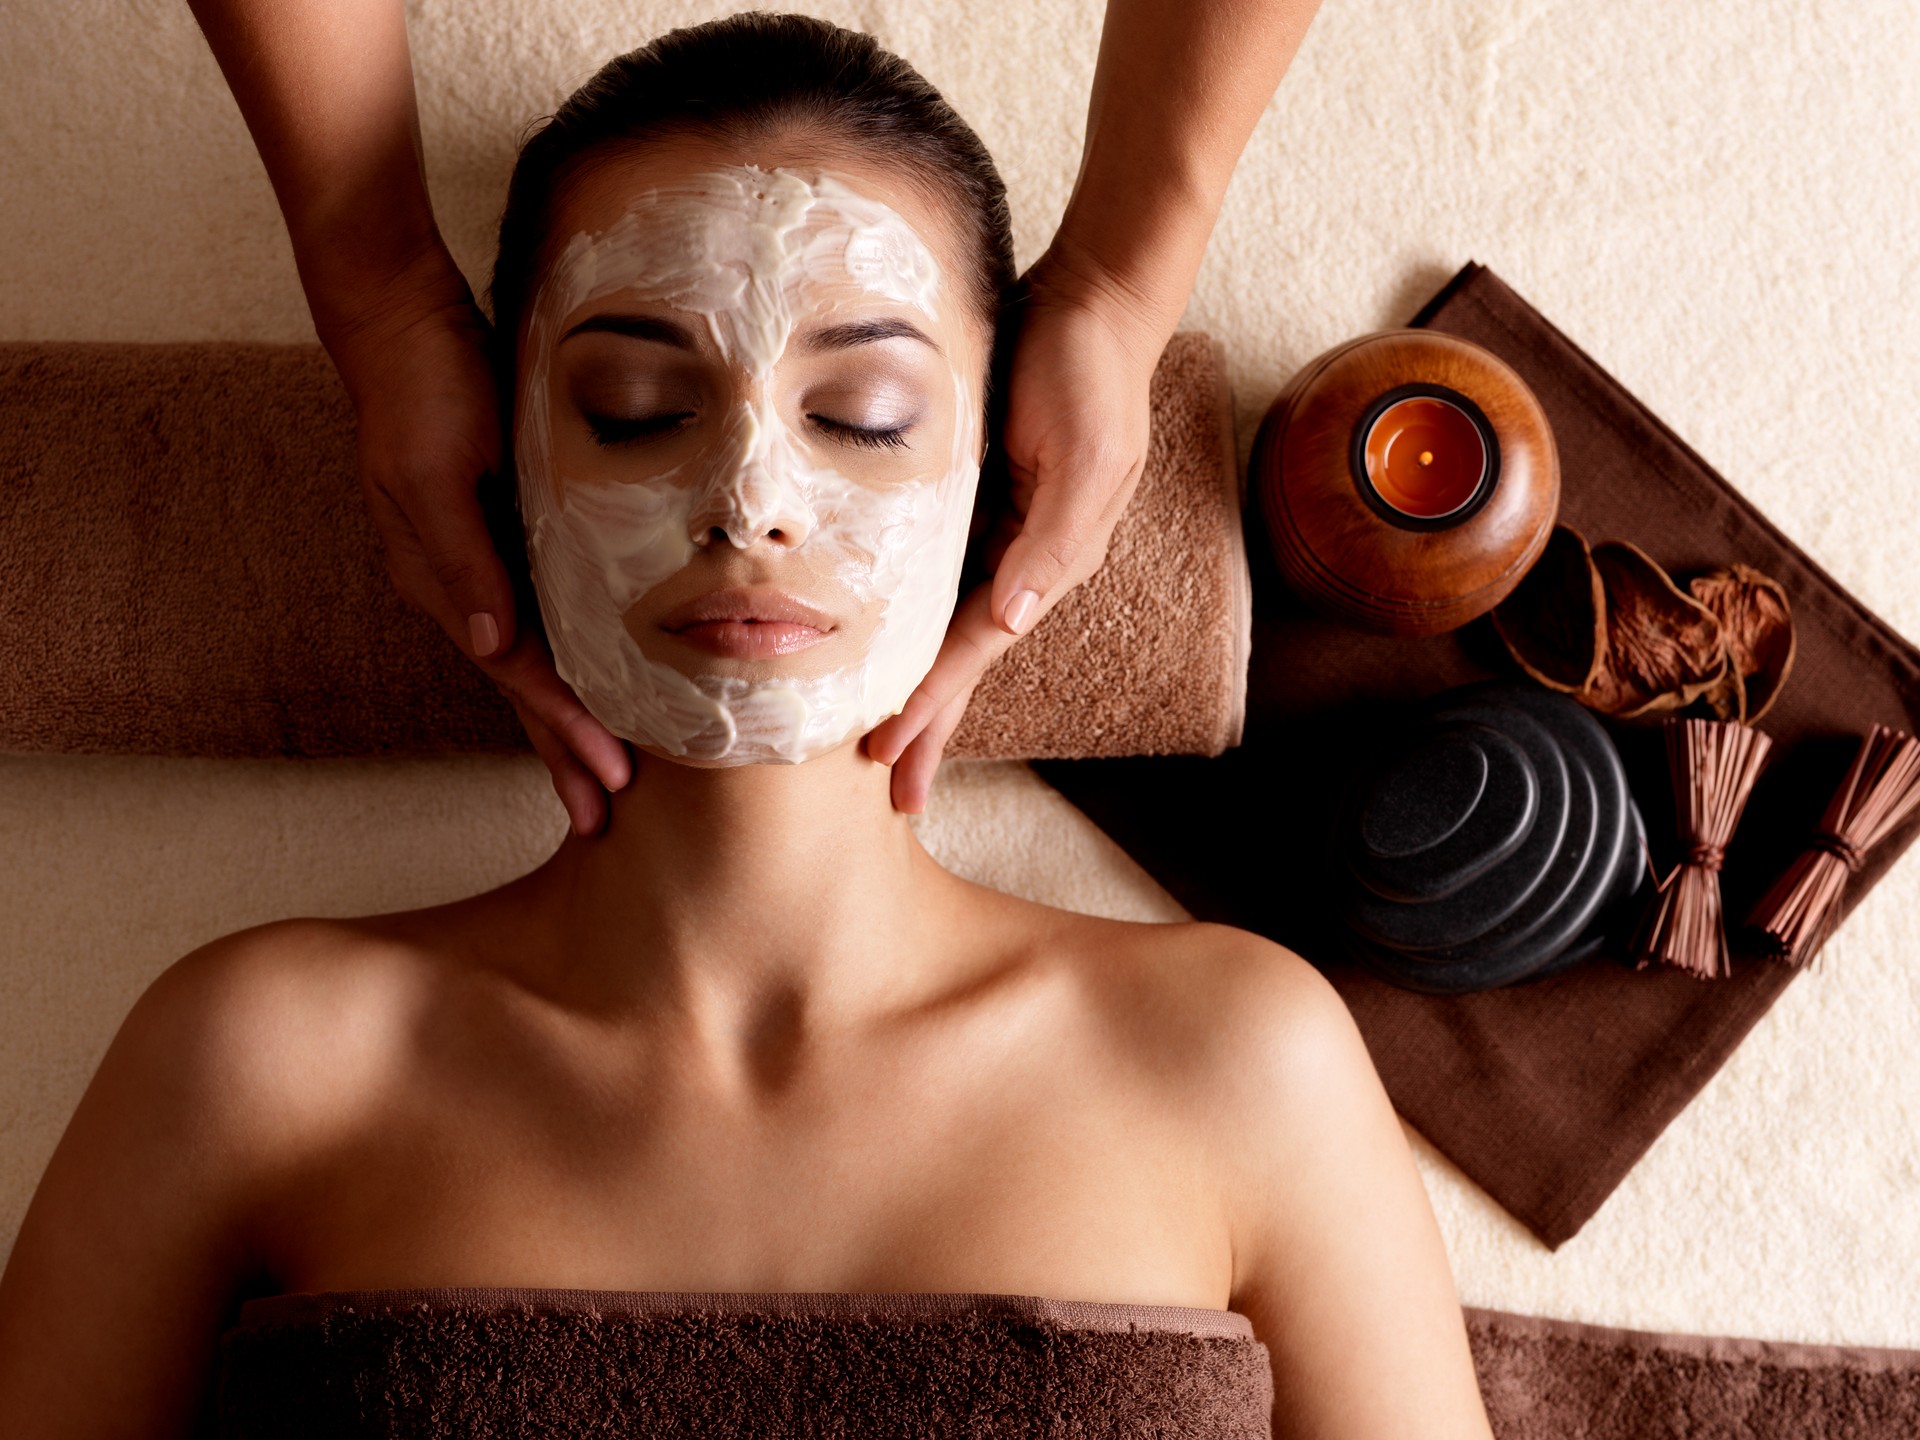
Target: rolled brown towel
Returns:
[[187, 568], [449, 1362]]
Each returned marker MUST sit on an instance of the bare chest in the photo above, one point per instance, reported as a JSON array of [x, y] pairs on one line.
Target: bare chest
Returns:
[[1006, 1167]]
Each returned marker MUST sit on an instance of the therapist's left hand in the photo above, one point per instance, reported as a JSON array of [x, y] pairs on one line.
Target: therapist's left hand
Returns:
[[1075, 437]]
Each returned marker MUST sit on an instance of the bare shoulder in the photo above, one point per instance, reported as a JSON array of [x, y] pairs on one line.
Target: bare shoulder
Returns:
[[1242, 1040], [245, 1021], [1339, 1260], [234, 1063], [1226, 1013], [241, 1053]]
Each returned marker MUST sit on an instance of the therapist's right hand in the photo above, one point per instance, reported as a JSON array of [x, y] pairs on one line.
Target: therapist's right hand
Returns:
[[428, 430]]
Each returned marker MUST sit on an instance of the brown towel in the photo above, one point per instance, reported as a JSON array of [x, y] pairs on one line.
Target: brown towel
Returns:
[[1546, 1093], [1555, 1379], [449, 1362], [456, 1363], [186, 568], [1149, 657]]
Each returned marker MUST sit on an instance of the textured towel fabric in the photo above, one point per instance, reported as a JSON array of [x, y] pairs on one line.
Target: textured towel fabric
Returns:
[[1149, 657], [529, 1362], [560, 1363], [1558, 1379], [1545, 1093], [187, 568]]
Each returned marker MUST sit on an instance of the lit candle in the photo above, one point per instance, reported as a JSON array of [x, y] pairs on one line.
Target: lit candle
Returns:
[[1425, 456]]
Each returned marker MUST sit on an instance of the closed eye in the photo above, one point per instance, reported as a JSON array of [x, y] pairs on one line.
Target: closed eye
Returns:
[[894, 438], [621, 430]]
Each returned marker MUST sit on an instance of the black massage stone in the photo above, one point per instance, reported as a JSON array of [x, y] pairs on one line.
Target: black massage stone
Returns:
[[1609, 834], [1498, 890], [1496, 842], [1445, 812]]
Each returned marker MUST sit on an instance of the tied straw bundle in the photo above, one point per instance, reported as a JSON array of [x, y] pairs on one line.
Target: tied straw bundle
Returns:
[[1880, 790], [1713, 764]]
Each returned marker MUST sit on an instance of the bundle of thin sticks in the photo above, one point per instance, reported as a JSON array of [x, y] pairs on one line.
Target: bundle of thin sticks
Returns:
[[1881, 788], [1713, 764]]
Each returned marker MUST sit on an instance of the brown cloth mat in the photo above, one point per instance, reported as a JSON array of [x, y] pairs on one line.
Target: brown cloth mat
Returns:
[[187, 568], [1545, 1093], [1557, 1379]]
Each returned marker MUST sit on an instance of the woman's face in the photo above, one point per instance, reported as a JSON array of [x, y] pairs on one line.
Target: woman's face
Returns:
[[748, 433]]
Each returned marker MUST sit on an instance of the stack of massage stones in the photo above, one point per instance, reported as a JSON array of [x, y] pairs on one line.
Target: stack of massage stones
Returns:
[[1493, 840]]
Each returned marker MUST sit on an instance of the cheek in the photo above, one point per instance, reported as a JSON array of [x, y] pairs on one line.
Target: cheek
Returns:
[[619, 539], [913, 537]]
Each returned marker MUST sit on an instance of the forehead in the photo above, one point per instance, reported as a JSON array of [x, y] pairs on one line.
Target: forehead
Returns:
[[701, 220]]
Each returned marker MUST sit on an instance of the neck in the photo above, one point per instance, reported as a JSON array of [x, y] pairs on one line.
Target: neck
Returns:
[[734, 900]]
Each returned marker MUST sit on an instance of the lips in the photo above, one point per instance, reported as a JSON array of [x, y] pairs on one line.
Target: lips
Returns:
[[749, 623]]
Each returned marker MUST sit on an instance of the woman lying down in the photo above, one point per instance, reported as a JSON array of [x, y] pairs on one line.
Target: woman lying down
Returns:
[[745, 1117]]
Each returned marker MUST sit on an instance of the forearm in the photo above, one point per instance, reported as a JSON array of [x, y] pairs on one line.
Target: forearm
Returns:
[[1177, 90], [326, 88]]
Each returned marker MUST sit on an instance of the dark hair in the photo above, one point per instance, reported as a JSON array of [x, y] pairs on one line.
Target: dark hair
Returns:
[[748, 77]]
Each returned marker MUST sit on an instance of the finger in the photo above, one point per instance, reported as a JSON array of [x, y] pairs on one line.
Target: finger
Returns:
[[526, 673], [528, 676], [913, 773], [585, 802], [1063, 538], [459, 552], [973, 642], [414, 575]]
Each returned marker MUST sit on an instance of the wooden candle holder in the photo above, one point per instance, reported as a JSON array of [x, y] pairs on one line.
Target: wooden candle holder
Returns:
[[1373, 546]]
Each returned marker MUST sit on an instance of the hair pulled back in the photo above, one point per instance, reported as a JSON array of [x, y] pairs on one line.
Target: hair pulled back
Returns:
[[745, 78]]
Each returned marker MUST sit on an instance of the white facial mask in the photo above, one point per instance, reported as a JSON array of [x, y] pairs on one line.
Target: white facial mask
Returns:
[[749, 250]]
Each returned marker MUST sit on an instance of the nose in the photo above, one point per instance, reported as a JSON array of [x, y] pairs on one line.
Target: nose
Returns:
[[751, 497], [748, 505]]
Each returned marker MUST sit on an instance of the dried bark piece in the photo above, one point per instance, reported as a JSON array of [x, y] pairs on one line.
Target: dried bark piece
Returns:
[[1758, 626], [1664, 648], [1554, 624]]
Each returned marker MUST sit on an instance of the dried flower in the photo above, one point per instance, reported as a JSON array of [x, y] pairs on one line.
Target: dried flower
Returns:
[[1757, 624]]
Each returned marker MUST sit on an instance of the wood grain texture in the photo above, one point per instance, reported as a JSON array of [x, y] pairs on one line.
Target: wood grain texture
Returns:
[[1337, 549]]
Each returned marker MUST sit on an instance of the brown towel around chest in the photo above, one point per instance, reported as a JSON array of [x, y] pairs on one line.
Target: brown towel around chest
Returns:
[[187, 568], [525, 1362]]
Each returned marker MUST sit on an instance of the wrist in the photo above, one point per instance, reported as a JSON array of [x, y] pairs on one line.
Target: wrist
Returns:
[[1140, 309], [363, 309]]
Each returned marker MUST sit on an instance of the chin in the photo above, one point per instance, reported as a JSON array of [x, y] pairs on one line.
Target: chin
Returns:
[[736, 761], [716, 721]]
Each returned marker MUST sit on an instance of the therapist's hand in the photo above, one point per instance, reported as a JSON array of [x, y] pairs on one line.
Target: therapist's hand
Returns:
[[1075, 436], [429, 429]]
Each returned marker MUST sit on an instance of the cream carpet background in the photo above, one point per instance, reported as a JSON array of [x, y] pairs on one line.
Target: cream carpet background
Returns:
[[1717, 200]]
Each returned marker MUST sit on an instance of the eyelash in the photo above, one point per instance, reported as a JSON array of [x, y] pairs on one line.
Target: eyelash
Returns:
[[611, 431], [892, 439]]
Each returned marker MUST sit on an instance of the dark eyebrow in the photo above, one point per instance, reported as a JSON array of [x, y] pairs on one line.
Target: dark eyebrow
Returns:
[[864, 332], [637, 327]]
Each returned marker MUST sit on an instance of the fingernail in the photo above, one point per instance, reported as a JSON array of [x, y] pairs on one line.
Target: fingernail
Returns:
[[1020, 611], [484, 633]]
